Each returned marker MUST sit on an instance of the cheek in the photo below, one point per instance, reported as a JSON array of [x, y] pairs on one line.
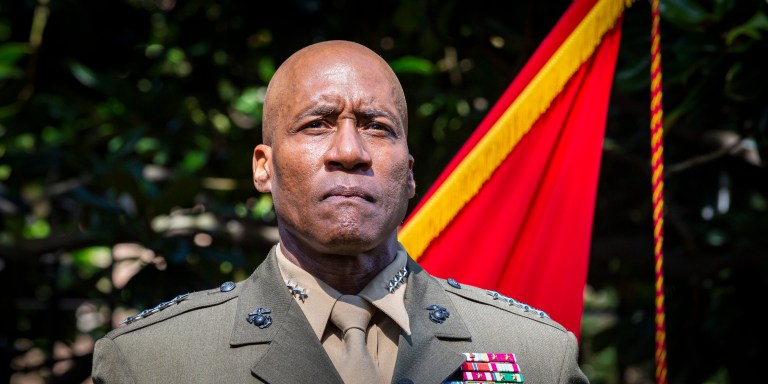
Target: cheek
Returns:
[[293, 180], [284, 179], [293, 161], [397, 176]]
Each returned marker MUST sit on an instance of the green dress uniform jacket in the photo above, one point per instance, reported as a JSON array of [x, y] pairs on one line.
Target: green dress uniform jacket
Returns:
[[207, 339]]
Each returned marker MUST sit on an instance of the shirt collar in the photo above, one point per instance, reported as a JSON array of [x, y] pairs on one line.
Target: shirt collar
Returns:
[[320, 297], [377, 291]]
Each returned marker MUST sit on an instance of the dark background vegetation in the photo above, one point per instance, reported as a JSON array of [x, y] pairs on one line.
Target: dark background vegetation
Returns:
[[126, 131]]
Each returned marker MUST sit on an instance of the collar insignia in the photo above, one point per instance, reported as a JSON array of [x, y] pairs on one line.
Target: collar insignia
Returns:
[[438, 314], [260, 317], [295, 291], [398, 279]]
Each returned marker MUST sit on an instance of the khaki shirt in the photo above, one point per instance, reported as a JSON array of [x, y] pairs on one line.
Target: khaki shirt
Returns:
[[384, 329]]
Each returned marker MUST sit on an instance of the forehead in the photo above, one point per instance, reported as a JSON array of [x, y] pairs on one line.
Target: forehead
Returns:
[[353, 79]]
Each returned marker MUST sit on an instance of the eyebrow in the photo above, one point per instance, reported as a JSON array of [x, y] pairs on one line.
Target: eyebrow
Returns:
[[326, 109], [316, 110], [371, 112]]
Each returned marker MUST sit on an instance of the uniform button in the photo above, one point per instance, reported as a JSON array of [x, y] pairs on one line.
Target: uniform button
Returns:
[[454, 283], [228, 286], [405, 380]]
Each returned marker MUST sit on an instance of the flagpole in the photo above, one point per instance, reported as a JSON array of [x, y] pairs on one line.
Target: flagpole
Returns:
[[657, 167]]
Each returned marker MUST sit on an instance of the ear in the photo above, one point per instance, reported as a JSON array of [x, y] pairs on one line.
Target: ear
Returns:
[[411, 181], [262, 168]]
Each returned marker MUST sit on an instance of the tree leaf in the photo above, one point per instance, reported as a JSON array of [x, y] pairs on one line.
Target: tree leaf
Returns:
[[752, 29], [412, 64]]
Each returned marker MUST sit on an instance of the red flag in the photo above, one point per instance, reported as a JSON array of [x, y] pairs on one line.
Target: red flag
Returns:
[[513, 210]]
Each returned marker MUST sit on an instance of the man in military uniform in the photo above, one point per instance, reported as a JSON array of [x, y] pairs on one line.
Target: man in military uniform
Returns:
[[338, 300]]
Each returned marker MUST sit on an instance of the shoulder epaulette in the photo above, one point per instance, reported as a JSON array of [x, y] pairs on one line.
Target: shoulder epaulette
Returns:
[[498, 300], [178, 305]]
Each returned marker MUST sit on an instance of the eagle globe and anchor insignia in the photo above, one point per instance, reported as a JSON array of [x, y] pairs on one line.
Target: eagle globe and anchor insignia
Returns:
[[438, 314], [260, 317]]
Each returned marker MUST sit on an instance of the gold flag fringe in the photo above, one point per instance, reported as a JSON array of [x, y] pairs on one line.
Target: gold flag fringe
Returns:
[[480, 163]]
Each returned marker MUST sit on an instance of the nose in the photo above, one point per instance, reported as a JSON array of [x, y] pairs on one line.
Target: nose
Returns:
[[348, 150]]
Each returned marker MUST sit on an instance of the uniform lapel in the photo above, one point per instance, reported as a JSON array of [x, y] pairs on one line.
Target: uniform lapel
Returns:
[[426, 355], [294, 355]]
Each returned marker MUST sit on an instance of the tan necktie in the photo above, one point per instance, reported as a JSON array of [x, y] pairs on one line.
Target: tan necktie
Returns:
[[351, 314]]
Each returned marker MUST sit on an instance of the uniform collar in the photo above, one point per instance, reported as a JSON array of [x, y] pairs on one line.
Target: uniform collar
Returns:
[[290, 337], [318, 297]]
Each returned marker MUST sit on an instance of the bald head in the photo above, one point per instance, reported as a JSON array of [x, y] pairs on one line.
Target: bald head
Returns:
[[318, 62]]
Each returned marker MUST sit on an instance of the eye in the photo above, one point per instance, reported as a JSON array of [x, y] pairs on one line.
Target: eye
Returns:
[[314, 127], [377, 128]]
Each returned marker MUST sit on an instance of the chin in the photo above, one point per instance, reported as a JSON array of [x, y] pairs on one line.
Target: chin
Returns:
[[350, 233], [349, 242]]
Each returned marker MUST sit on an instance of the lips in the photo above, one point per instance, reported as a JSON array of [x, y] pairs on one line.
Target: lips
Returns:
[[348, 192]]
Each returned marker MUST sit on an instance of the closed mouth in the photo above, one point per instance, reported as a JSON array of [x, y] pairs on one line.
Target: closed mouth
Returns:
[[348, 192]]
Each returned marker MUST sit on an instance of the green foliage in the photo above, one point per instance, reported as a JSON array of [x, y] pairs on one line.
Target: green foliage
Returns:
[[10, 55], [411, 64], [127, 130]]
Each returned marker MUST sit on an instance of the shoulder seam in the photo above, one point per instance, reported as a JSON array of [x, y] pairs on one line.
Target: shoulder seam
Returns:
[[122, 357], [486, 297], [171, 312]]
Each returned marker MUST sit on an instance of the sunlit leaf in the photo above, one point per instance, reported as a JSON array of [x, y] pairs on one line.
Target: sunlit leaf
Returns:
[[96, 256], [241, 210], [153, 50], [91, 260], [250, 101], [55, 136], [194, 160], [266, 68], [227, 90], [221, 122], [412, 64], [146, 144], [83, 74], [5, 172], [9, 72], [25, 142], [263, 206], [37, 229], [12, 52]]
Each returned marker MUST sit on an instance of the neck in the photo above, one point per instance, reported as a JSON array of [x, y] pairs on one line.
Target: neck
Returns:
[[348, 274]]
